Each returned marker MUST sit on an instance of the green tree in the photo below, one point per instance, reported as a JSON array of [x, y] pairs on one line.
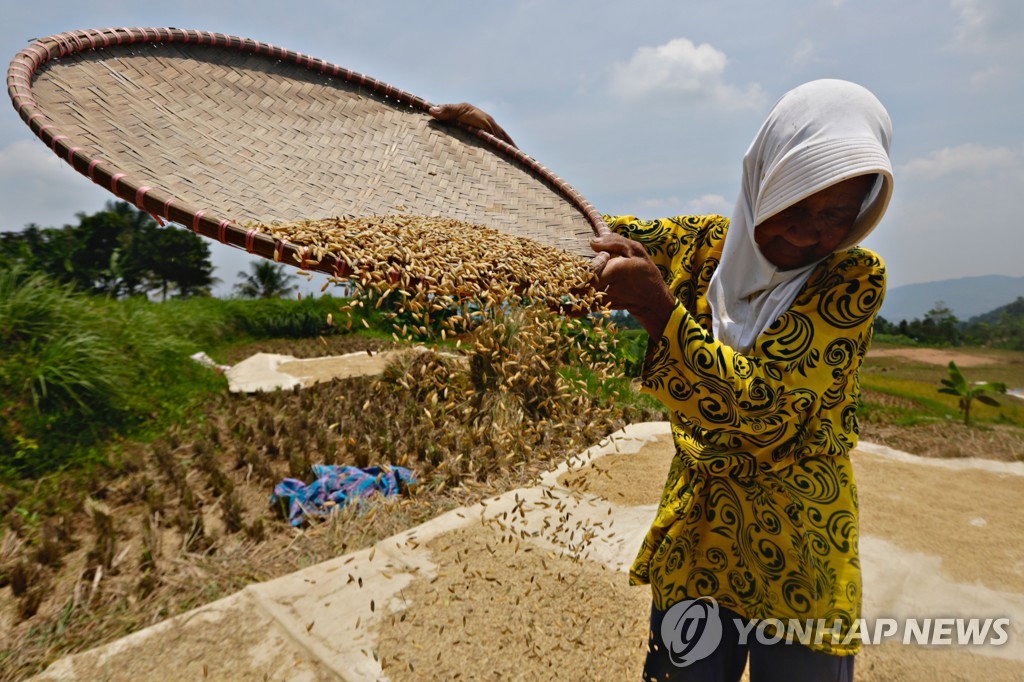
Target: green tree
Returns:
[[939, 327], [265, 279], [40, 249], [958, 385], [106, 248], [1000, 328], [119, 252], [624, 320], [943, 325], [177, 261], [883, 326]]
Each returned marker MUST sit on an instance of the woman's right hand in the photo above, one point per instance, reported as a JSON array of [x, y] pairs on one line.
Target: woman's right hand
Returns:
[[467, 114], [631, 281]]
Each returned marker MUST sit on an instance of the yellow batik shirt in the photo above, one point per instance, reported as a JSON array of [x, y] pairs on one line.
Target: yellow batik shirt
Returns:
[[760, 507]]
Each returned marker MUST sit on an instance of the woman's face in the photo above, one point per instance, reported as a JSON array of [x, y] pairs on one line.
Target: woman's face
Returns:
[[812, 228]]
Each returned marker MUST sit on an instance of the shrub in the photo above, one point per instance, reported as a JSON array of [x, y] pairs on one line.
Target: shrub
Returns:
[[76, 367], [212, 322], [967, 393]]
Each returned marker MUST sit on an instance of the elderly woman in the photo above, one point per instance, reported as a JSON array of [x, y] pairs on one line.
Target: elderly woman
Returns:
[[758, 326]]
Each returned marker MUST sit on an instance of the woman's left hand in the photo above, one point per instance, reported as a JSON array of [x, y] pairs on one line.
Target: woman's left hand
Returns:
[[632, 282], [470, 115]]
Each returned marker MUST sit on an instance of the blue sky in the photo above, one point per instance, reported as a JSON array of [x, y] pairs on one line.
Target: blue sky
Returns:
[[645, 107]]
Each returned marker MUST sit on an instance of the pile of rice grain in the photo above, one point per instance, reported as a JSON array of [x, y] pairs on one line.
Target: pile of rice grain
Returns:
[[443, 274], [534, 363], [539, 342]]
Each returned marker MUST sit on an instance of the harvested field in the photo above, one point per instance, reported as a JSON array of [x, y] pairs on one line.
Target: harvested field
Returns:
[[887, 400], [186, 520], [949, 439], [901, 406], [486, 607]]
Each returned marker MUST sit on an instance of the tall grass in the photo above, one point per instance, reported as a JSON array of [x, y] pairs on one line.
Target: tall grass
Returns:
[[631, 349], [211, 322], [76, 368], [53, 345]]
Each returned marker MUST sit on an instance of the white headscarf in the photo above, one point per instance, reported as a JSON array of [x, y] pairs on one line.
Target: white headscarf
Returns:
[[816, 135]]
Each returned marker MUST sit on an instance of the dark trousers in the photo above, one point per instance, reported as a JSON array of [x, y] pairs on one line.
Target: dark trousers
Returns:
[[779, 662]]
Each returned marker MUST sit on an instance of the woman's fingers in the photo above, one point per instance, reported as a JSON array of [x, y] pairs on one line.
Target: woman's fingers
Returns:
[[464, 111], [500, 133], [617, 245], [467, 114], [615, 273], [635, 284], [600, 260]]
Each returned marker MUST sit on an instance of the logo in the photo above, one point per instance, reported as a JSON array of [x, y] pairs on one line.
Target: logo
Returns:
[[691, 630]]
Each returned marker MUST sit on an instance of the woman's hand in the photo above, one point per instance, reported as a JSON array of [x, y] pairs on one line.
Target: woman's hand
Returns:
[[632, 282], [467, 114]]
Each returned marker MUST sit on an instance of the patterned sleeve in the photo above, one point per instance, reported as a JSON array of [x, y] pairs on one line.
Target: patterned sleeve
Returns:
[[667, 240], [755, 412]]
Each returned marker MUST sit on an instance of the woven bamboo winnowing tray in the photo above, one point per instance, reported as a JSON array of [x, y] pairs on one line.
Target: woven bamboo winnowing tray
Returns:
[[210, 131]]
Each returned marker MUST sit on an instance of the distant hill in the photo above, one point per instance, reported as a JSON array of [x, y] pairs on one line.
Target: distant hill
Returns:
[[1014, 310], [967, 297]]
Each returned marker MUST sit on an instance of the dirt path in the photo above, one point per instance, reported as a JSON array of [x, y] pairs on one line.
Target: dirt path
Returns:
[[932, 356]]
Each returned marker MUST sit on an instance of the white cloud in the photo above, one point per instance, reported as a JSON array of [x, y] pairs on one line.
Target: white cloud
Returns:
[[40, 188], [961, 224], [991, 31], [972, 19], [706, 204], [680, 67], [966, 158], [986, 25], [709, 203], [806, 53], [991, 77]]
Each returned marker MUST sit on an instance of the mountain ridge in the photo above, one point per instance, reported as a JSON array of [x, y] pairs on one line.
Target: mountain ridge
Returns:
[[967, 297]]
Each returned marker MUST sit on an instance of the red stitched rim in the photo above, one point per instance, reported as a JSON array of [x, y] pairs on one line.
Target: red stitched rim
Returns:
[[206, 222]]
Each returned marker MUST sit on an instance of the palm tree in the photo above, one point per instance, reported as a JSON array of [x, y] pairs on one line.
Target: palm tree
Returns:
[[265, 280], [957, 385]]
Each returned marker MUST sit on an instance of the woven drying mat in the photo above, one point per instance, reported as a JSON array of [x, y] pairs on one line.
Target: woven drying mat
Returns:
[[212, 131]]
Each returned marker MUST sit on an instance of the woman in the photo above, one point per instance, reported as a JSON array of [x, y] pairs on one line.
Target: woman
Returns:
[[758, 326]]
